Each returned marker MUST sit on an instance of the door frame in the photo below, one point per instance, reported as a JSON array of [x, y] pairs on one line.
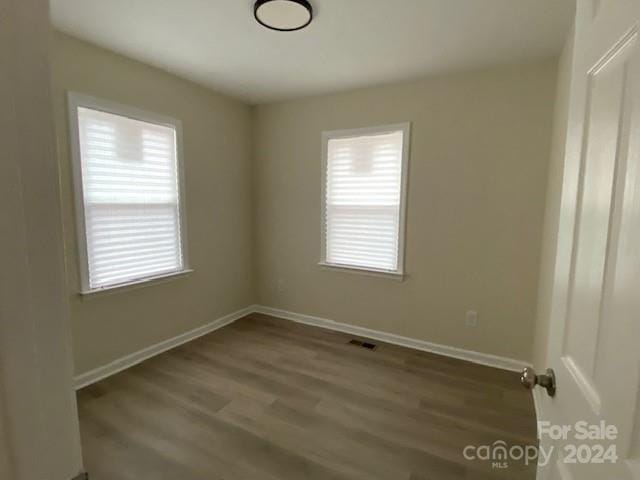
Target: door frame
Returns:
[[38, 415]]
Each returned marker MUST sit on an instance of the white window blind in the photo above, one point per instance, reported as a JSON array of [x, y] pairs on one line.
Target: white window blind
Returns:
[[130, 198], [364, 200]]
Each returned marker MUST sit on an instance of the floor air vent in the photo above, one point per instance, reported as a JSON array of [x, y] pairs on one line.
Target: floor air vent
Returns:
[[360, 343]]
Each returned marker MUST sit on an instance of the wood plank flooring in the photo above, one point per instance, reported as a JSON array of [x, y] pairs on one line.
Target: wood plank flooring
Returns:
[[268, 399]]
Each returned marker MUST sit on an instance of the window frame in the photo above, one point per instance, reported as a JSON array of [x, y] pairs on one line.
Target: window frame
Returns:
[[76, 100], [405, 127]]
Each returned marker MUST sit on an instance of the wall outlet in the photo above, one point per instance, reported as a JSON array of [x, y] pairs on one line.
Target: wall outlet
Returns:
[[471, 319], [280, 286]]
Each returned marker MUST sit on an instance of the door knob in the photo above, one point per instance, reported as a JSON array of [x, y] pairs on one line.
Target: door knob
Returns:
[[530, 379]]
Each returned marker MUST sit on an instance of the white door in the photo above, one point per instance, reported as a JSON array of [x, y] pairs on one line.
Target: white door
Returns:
[[594, 342]]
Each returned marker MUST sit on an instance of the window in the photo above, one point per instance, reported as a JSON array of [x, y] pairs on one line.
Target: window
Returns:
[[364, 198], [129, 208]]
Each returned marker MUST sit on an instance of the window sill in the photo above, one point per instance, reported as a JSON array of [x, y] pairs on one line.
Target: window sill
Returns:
[[372, 272], [144, 282]]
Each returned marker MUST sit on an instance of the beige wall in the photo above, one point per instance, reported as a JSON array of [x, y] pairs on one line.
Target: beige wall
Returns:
[[477, 182], [552, 209], [478, 172], [217, 132]]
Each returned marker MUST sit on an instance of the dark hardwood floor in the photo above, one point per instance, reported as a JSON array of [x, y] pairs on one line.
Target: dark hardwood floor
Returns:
[[267, 399]]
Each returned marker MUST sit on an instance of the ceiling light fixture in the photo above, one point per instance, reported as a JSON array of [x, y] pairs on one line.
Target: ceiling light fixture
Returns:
[[283, 15]]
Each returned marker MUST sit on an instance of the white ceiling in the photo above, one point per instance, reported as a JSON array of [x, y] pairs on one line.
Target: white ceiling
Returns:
[[350, 43]]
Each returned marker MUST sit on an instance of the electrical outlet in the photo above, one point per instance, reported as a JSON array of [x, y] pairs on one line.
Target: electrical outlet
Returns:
[[280, 285], [471, 319]]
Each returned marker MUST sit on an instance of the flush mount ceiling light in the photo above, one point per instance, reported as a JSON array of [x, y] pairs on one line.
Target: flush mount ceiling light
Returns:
[[283, 15]]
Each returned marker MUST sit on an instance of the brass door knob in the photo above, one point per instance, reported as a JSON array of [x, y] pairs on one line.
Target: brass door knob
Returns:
[[530, 379]]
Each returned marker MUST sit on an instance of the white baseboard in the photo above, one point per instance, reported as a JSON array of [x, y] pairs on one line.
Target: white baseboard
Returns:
[[125, 362], [132, 359], [504, 363]]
